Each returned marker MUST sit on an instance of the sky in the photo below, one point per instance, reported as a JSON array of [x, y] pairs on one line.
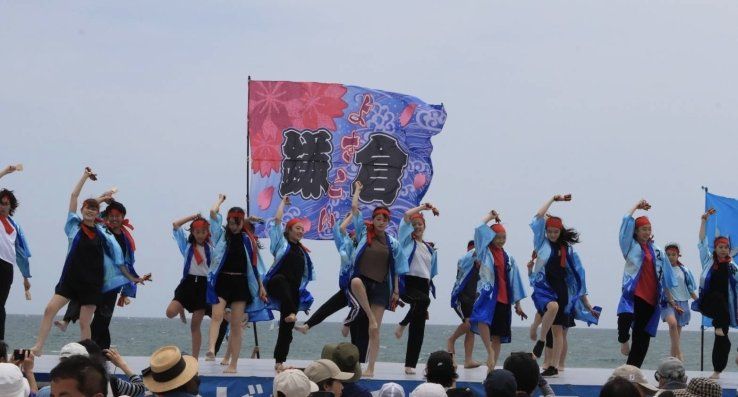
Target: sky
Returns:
[[612, 102]]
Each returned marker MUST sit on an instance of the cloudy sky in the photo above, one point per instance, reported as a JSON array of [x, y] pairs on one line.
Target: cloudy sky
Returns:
[[612, 102]]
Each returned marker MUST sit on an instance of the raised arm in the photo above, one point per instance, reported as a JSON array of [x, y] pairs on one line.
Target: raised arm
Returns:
[[8, 170], [78, 188], [355, 200], [640, 205], [216, 207], [544, 209], [180, 222], [703, 223], [346, 221], [280, 208], [422, 207]]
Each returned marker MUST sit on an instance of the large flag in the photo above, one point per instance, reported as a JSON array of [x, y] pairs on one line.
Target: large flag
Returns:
[[311, 141], [725, 220]]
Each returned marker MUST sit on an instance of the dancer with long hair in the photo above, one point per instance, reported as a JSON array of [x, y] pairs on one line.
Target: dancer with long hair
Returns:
[[686, 288], [463, 296], [647, 277], [718, 292], [500, 288], [417, 285], [14, 249]]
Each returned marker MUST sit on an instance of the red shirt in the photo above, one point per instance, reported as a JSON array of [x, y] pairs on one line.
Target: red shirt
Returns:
[[646, 288], [499, 256]]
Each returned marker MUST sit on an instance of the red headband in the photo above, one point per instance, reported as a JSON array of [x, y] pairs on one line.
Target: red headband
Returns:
[[381, 211], [236, 214], [418, 216], [642, 221], [673, 247], [498, 228], [200, 224], [554, 222], [292, 222], [721, 240]]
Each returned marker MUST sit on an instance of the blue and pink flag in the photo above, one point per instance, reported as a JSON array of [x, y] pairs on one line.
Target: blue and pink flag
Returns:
[[312, 141]]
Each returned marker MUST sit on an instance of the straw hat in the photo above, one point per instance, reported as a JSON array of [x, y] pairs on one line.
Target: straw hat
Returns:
[[168, 370]]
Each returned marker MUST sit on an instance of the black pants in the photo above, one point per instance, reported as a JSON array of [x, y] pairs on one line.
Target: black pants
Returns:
[[715, 305], [360, 334], [289, 295], [100, 326], [417, 290], [642, 312], [221, 335], [6, 280], [335, 303]]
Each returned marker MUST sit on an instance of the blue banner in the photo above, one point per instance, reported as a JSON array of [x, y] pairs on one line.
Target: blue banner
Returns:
[[725, 220], [312, 141]]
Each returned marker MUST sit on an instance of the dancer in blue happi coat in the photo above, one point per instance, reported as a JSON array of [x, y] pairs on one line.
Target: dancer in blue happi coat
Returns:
[[235, 280], [376, 266], [718, 298], [686, 288], [647, 277], [14, 250], [558, 280], [417, 285], [286, 281], [463, 296], [86, 273], [500, 287]]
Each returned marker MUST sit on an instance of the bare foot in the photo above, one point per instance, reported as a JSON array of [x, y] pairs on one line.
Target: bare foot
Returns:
[[398, 333], [291, 318], [472, 364], [37, 351], [278, 367], [561, 368], [303, 329], [715, 375], [490, 365], [225, 362], [230, 370], [409, 371], [533, 332], [62, 325], [367, 374], [345, 331], [182, 317], [209, 356], [625, 348]]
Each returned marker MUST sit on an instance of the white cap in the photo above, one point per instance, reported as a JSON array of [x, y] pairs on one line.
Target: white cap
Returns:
[[293, 383], [324, 369], [73, 349], [12, 382], [391, 389], [428, 390]]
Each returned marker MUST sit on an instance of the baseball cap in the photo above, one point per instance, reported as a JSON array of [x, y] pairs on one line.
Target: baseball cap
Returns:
[[440, 363], [428, 390], [346, 356], [293, 383], [633, 375], [391, 389], [324, 369], [670, 368], [73, 349]]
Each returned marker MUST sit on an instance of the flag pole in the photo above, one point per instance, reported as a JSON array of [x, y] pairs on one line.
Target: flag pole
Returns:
[[255, 352], [702, 330]]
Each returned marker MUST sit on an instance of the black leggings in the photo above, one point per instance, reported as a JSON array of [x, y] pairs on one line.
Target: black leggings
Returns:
[[6, 280], [416, 294], [719, 310], [359, 328], [335, 303], [288, 295], [642, 312]]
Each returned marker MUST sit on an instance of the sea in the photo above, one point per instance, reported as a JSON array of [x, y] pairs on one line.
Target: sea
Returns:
[[137, 336]]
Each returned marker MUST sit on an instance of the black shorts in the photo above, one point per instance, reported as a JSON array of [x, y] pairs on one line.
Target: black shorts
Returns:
[[84, 293], [377, 293], [233, 288], [501, 321], [466, 306], [191, 293]]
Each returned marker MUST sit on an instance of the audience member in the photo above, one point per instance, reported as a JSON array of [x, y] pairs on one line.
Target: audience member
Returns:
[[172, 374], [429, 389], [671, 374], [500, 383], [293, 383], [346, 357], [391, 389], [700, 387], [525, 370], [79, 376], [619, 387], [441, 369], [12, 382], [326, 374], [634, 375]]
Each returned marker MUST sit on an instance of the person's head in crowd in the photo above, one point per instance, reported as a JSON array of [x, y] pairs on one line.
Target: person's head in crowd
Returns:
[[391, 389], [3, 352], [93, 350], [700, 387], [293, 383], [441, 369], [12, 382], [73, 349], [346, 356], [525, 370], [460, 392], [671, 374], [500, 383], [170, 371], [634, 375], [429, 390], [326, 374], [619, 387], [79, 376]]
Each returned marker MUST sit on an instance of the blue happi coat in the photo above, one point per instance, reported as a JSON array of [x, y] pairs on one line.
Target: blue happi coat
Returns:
[[408, 245], [398, 261], [130, 288], [112, 259], [463, 275], [279, 246], [345, 247], [254, 272], [634, 255], [707, 261], [575, 276], [187, 251], [484, 307], [22, 250]]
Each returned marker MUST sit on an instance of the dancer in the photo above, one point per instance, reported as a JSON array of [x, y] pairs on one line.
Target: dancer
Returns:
[[345, 245], [500, 287], [84, 274], [558, 280], [647, 277], [236, 280], [718, 293], [14, 248], [197, 250], [686, 288], [417, 284], [377, 263], [287, 279], [463, 296]]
